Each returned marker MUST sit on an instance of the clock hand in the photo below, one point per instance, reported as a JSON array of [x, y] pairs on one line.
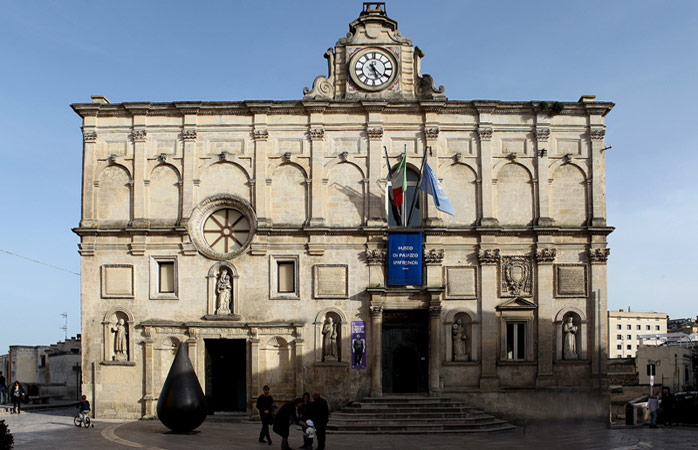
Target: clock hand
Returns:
[[375, 72]]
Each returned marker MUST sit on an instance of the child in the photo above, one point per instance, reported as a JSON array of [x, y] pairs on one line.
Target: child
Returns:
[[84, 406], [308, 435]]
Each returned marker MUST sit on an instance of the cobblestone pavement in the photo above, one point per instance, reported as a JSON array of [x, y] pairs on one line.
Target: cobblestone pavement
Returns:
[[54, 429]]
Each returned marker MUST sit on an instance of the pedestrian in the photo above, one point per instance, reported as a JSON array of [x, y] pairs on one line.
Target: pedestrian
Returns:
[[320, 414], [284, 417], [18, 396], [304, 410], [308, 434], [3, 389], [653, 405], [666, 407], [265, 405]]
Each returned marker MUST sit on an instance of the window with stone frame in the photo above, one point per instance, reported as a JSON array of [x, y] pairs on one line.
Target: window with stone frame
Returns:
[[284, 277], [163, 277], [516, 341]]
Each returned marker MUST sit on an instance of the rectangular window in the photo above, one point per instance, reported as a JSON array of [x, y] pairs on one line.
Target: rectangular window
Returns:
[[163, 277], [648, 327], [166, 277], [620, 327], [619, 337], [656, 327], [619, 347], [651, 370], [630, 327], [630, 347], [516, 341], [286, 276], [639, 327], [630, 337]]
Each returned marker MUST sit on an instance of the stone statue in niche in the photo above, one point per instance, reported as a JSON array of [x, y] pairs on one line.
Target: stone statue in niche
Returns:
[[329, 340], [458, 336], [223, 292], [570, 339], [120, 345]]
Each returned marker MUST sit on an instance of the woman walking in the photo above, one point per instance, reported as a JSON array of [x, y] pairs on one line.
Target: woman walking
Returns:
[[18, 396]]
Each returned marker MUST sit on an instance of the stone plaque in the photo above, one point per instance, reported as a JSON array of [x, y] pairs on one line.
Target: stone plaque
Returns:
[[331, 280], [460, 282], [117, 280], [570, 280]]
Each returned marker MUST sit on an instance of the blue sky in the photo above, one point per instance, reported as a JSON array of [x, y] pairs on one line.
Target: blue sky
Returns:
[[642, 55]]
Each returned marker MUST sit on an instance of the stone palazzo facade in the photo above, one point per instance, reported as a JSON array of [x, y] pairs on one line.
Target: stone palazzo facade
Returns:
[[255, 232]]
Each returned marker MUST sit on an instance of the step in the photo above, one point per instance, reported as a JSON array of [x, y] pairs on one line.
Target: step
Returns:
[[493, 429], [398, 415]]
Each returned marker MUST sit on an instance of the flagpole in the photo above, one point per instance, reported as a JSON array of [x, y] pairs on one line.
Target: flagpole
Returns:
[[391, 197], [416, 191]]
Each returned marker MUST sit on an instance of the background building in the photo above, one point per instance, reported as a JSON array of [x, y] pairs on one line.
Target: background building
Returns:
[[670, 358], [257, 233], [626, 327]]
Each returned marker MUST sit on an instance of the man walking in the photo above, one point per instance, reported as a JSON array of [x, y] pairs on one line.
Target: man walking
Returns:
[[320, 413], [265, 405]]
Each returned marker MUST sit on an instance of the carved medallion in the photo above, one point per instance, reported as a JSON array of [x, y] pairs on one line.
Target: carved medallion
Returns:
[[515, 276]]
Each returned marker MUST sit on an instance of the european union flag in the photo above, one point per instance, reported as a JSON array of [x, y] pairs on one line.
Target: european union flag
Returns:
[[430, 184]]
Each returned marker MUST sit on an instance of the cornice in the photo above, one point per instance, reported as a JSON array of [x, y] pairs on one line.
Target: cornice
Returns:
[[129, 109]]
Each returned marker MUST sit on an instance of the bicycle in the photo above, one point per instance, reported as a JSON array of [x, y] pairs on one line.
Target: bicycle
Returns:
[[79, 421]]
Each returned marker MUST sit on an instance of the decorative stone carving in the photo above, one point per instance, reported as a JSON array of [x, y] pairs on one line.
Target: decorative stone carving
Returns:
[[485, 133], [138, 135], [542, 133], [189, 134], [599, 255], [224, 290], [120, 341], [431, 132], [111, 160], [162, 158], [376, 311], [375, 256], [597, 134], [543, 152], [375, 133], [569, 349], [323, 87], [435, 310], [546, 255], [488, 256], [459, 337], [516, 276], [260, 134], [344, 155], [316, 134], [89, 136], [434, 256], [425, 88], [223, 156], [329, 340], [568, 158]]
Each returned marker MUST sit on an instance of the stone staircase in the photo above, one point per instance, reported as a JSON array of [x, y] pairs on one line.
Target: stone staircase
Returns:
[[412, 414]]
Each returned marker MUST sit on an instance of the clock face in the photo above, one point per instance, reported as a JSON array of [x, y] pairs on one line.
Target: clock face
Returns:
[[372, 69]]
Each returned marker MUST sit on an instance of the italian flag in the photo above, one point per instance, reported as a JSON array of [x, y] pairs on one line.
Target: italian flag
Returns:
[[399, 181]]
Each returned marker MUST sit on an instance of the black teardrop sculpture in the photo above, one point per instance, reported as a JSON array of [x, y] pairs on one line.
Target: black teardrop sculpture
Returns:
[[182, 404]]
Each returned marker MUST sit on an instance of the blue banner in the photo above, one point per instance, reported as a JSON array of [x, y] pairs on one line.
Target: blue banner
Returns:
[[405, 259], [358, 344]]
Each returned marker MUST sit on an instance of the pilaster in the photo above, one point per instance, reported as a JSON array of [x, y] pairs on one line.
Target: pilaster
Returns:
[[138, 138], [148, 363], [89, 150], [435, 344], [545, 256], [189, 137], [542, 133], [376, 196], [376, 350], [597, 132], [431, 137], [488, 259], [598, 256], [260, 134], [316, 133], [485, 132]]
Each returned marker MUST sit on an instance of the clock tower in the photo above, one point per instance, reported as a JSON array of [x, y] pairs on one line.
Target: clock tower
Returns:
[[374, 61]]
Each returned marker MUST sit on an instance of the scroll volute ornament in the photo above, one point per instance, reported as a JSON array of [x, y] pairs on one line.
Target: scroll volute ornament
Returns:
[[516, 276]]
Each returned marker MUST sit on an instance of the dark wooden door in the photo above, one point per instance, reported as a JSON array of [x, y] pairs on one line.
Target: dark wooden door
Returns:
[[405, 351], [225, 374]]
